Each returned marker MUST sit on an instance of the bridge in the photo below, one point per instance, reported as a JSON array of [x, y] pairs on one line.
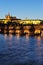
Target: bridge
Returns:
[[26, 29]]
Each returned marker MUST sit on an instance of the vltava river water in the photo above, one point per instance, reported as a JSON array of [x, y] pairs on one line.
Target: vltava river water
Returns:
[[21, 50]]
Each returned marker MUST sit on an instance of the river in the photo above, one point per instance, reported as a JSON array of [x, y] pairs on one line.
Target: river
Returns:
[[21, 50]]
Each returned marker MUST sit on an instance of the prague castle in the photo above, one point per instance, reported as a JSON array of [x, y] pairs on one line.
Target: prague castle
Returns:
[[9, 18]]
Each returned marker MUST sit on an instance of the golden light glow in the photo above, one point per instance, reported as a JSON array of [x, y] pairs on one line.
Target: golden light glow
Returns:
[[18, 31], [26, 31], [37, 31], [30, 22]]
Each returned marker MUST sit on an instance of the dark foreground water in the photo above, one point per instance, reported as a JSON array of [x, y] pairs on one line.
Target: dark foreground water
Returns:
[[21, 50]]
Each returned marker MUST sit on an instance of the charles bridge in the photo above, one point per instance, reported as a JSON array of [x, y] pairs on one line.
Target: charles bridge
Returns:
[[25, 29]]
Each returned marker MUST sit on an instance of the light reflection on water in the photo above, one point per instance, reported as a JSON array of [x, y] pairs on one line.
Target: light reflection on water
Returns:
[[21, 50]]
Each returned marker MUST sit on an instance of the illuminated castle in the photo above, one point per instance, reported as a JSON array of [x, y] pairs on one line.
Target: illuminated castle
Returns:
[[9, 18]]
